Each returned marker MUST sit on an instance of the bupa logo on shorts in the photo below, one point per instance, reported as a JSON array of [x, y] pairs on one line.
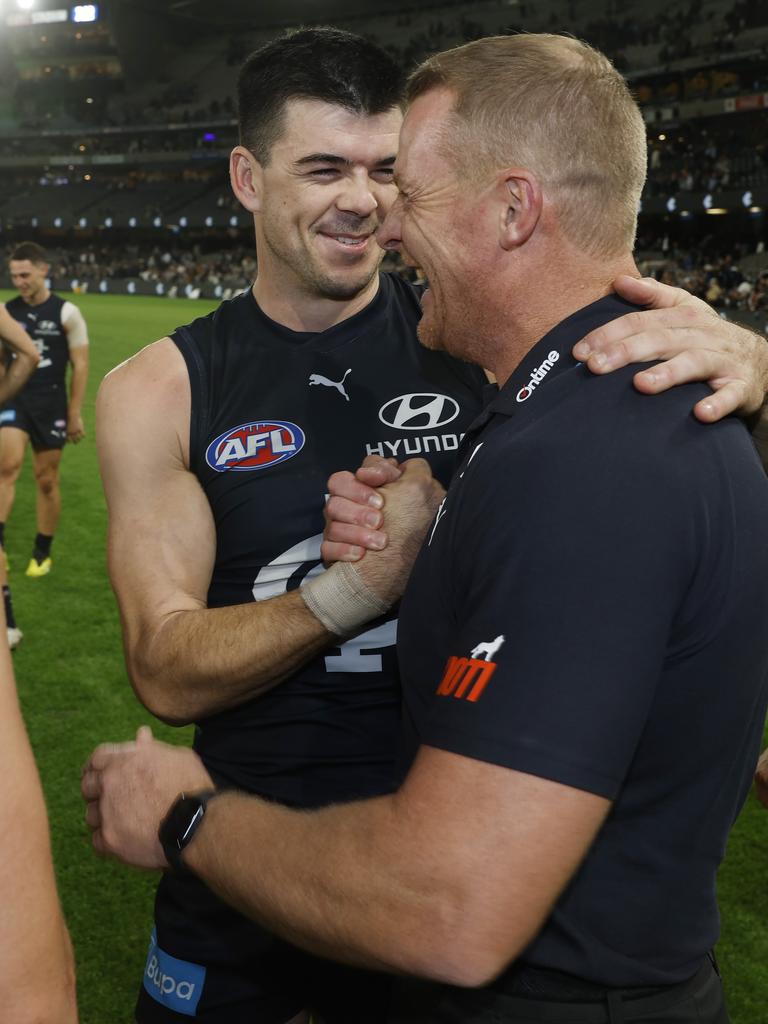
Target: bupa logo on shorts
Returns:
[[7, 416], [538, 376], [468, 677], [253, 446], [419, 412], [174, 983]]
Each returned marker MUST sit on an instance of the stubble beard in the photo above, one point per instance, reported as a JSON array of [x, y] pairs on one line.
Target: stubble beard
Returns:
[[314, 279]]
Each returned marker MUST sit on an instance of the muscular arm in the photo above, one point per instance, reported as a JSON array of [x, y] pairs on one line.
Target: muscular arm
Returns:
[[185, 660], [36, 963], [27, 356], [449, 878]]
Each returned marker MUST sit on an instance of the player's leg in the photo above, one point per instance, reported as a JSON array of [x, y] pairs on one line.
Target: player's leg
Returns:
[[13, 442], [46, 464]]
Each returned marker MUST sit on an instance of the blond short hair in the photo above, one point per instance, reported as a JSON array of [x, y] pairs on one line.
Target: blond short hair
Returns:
[[557, 107]]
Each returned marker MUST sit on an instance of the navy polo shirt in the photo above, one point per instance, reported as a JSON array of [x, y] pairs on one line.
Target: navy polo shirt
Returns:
[[590, 606]]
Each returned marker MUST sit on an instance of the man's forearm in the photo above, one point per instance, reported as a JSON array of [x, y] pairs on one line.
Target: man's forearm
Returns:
[[199, 662], [16, 376], [77, 386], [338, 882]]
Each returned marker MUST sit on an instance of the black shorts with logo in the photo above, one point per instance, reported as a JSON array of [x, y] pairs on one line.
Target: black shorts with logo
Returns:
[[212, 964], [42, 415]]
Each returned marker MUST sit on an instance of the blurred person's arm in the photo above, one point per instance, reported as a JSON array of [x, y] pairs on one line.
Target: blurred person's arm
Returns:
[[15, 376], [77, 340], [37, 973]]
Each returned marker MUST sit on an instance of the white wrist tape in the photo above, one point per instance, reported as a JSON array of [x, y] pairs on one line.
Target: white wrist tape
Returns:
[[340, 599]]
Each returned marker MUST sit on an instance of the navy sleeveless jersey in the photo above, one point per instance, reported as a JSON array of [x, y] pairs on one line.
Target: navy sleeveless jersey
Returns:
[[274, 413], [43, 325]]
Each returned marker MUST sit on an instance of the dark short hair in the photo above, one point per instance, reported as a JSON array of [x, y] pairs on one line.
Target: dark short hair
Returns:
[[29, 251], [312, 64]]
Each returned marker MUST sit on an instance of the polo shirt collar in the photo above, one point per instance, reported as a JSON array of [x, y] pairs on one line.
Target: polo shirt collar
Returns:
[[550, 356]]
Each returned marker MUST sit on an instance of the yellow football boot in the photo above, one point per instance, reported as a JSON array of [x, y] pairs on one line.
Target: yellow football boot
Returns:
[[36, 568]]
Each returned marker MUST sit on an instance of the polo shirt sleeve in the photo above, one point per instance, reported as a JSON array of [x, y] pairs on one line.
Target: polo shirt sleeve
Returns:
[[563, 567]]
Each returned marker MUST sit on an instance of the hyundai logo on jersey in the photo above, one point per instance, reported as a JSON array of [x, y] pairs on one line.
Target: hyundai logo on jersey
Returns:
[[419, 412], [255, 446]]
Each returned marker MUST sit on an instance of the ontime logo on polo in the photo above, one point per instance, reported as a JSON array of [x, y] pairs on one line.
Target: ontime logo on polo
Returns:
[[538, 376], [252, 446]]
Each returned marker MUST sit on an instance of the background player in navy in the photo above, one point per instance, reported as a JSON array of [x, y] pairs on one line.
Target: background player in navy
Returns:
[[17, 341], [234, 495], [42, 414]]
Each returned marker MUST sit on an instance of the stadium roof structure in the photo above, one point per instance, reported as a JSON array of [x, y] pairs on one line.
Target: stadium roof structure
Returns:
[[257, 14]]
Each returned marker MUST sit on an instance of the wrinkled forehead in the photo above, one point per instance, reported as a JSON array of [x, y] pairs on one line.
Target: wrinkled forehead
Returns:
[[424, 127], [316, 127]]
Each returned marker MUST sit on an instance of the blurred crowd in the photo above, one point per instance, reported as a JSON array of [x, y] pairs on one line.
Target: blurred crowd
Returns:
[[182, 270], [727, 277]]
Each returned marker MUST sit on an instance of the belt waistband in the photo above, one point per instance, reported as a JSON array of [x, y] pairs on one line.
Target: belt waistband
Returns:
[[604, 1004]]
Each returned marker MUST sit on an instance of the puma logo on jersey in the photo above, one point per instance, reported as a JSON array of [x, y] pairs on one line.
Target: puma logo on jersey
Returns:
[[318, 378]]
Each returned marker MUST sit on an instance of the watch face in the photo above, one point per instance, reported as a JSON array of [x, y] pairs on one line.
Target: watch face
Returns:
[[181, 823]]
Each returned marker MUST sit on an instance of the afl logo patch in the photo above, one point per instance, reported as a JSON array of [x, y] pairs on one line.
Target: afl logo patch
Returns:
[[419, 412], [253, 446]]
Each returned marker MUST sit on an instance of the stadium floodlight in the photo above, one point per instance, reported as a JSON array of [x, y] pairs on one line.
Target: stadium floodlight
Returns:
[[182, 222], [85, 12], [233, 222], [132, 222], [747, 199], [209, 222], [107, 222], [57, 222], [33, 222], [707, 201], [158, 222], [83, 222], [671, 204]]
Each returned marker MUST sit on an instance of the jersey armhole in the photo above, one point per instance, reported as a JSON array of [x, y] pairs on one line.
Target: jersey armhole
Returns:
[[198, 413]]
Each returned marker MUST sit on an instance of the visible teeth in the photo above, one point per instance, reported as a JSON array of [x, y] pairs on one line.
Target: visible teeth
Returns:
[[347, 241]]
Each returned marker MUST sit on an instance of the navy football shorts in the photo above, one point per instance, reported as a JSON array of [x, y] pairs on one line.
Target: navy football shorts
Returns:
[[43, 416], [209, 963]]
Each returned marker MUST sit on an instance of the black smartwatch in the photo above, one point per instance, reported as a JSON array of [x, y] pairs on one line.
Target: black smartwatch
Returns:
[[180, 824]]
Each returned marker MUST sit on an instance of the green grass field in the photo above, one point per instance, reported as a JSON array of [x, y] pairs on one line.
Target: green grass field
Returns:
[[75, 694]]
